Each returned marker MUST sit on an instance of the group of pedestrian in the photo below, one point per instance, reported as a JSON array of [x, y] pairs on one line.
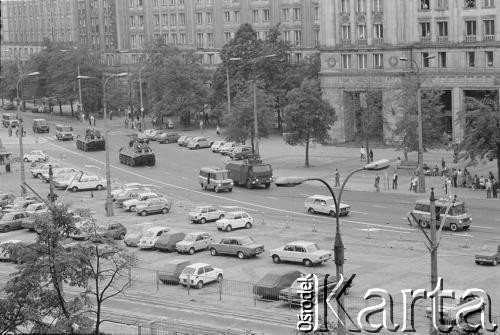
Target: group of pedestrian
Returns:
[[363, 155], [135, 123]]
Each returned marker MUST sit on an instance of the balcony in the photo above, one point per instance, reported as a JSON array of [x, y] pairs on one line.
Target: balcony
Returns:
[[470, 39], [362, 41], [345, 41], [378, 40], [442, 39], [425, 39], [489, 38]]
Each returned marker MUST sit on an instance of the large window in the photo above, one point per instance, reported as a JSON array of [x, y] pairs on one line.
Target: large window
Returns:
[[441, 59], [227, 16], [227, 36], [378, 30], [489, 3], [425, 59], [378, 5], [140, 21], [442, 4], [470, 3], [489, 58], [266, 14], [442, 28], [346, 61], [209, 17], [285, 14], [255, 15], [425, 29], [362, 32], [173, 19], [346, 32], [236, 16], [362, 60], [199, 40], [361, 6], [296, 14], [199, 18], [210, 40], [425, 4], [164, 19], [344, 6], [470, 27], [156, 19], [297, 37], [471, 59], [378, 61], [489, 27]]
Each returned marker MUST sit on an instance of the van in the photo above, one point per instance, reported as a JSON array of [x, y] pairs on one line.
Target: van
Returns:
[[10, 119], [40, 126], [324, 204], [64, 132], [167, 241], [214, 178], [456, 219]]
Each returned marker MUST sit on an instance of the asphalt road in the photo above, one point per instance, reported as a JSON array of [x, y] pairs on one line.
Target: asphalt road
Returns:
[[381, 247]]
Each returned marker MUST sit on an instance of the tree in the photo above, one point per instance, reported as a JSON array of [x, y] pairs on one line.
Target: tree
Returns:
[[10, 73], [482, 132], [308, 116]]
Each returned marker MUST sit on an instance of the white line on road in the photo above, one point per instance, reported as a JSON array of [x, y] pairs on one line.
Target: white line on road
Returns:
[[383, 229], [272, 198], [358, 212], [184, 178], [378, 206], [482, 227]]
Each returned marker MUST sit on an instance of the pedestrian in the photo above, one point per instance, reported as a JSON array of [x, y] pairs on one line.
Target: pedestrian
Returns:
[[460, 176], [488, 189], [398, 163], [475, 182], [10, 130], [371, 156], [83, 117], [201, 125], [91, 120], [395, 180], [337, 178], [454, 176], [218, 129], [126, 123], [443, 166], [413, 184], [494, 188], [363, 154], [377, 182], [491, 176], [445, 184], [111, 115], [448, 186]]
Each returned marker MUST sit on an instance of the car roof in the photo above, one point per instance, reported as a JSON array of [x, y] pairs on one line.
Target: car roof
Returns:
[[301, 243], [147, 193], [39, 120], [439, 202], [156, 228], [237, 212], [237, 237], [197, 265], [320, 197], [197, 233], [11, 241], [213, 169]]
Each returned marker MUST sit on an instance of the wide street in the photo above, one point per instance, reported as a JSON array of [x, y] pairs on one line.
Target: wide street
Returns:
[[381, 247]]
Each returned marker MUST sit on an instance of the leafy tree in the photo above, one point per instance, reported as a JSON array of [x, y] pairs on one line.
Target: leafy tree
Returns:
[[10, 73], [308, 116], [481, 140]]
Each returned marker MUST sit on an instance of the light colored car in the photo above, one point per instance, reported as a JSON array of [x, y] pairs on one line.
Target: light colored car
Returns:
[[83, 229], [150, 133], [168, 137], [227, 147], [36, 208], [132, 240], [36, 156], [13, 220], [307, 253], [199, 274], [184, 140], [199, 142], [241, 246], [150, 237], [152, 206], [39, 171], [202, 214], [87, 182], [193, 242], [62, 182], [61, 172], [128, 186], [115, 231], [131, 204], [19, 204], [241, 152], [216, 145], [233, 220], [325, 205], [128, 195]]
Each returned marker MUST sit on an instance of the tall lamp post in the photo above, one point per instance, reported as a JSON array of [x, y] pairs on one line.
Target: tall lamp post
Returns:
[[338, 244], [21, 131], [421, 176]]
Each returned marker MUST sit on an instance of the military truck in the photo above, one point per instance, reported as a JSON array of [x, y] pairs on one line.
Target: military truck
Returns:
[[250, 172], [137, 153], [92, 140]]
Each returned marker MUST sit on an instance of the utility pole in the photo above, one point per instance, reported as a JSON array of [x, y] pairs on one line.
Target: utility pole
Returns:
[[433, 250], [140, 95], [421, 177], [79, 89], [109, 203], [228, 91], [255, 121]]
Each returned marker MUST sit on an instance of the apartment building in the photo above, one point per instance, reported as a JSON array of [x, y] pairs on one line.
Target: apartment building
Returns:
[[366, 45]]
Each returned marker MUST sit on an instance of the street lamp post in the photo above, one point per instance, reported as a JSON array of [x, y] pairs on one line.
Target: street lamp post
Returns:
[[338, 246], [140, 95], [21, 131], [421, 176]]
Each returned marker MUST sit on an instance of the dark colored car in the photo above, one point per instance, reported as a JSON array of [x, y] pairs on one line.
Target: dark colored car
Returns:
[[270, 286], [241, 246], [172, 270], [167, 242], [241, 152], [115, 231], [168, 137], [40, 126]]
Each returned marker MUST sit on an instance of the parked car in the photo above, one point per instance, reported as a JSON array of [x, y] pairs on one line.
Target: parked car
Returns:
[[40, 126], [167, 241], [132, 240], [149, 133], [10, 119], [64, 132], [202, 214], [241, 152], [115, 231], [128, 186], [150, 237], [307, 253], [6, 199], [184, 140], [62, 182], [489, 254], [193, 242], [153, 206], [241, 246], [168, 137], [36, 156], [216, 145], [19, 204], [87, 182], [38, 172], [199, 142], [59, 173], [131, 204], [270, 286], [292, 296], [9, 251], [37, 208], [324, 204], [128, 195], [227, 147], [12, 220], [199, 274], [171, 270], [234, 220]]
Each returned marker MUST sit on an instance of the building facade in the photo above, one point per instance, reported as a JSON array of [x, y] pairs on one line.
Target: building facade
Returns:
[[450, 45]]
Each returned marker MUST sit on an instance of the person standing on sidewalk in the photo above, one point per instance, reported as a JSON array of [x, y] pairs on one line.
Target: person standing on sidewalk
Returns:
[[218, 129], [494, 188], [363, 154], [443, 166], [337, 178], [488, 189], [395, 180], [371, 156], [111, 115], [126, 123], [10, 130], [377, 182], [92, 120]]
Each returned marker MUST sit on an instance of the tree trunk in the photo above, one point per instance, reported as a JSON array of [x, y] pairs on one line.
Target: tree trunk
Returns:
[[97, 293], [71, 104], [60, 106], [307, 152], [367, 149]]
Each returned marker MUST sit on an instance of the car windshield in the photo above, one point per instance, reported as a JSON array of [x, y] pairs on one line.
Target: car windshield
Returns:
[[32, 207], [188, 271], [246, 240], [222, 175], [312, 248], [190, 237], [261, 168], [67, 128]]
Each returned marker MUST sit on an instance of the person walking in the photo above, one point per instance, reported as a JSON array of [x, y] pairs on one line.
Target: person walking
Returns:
[[377, 182], [126, 123], [83, 117], [91, 120], [10, 130], [443, 166], [488, 189], [363, 154], [111, 115], [494, 188], [454, 175], [448, 186], [218, 129], [395, 180], [337, 178], [371, 156], [491, 176]]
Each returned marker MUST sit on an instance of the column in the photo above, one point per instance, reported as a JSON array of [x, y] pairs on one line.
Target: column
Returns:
[[335, 97], [456, 107]]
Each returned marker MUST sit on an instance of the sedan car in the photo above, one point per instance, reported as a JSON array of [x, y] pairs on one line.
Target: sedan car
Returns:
[[129, 186], [36, 156], [270, 286], [132, 240], [193, 242], [150, 237], [171, 270], [488, 255], [292, 294], [241, 152], [241, 246], [128, 195], [19, 204], [87, 182], [153, 206], [61, 172], [84, 229], [227, 147], [216, 145], [234, 220], [184, 140], [198, 143], [37, 208], [168, 137], [148, 133], [38, 172], [140, 198], [115, 231], [202, 214], [12, 220], [199, 274], [307, 253]]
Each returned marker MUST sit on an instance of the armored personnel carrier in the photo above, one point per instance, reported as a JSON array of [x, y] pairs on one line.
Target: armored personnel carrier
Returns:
[[137, 153], [91, 141]]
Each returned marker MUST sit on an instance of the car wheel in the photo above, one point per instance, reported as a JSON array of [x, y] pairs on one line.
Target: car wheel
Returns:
[[267, 185], [221, 216], [144, 213], [122, 236], [249, 184], [230, 190], [202, 187], [203, 220], [199, 284], [213, 252], [248, 225], [308, 263], [240, 254], [219, 278], [164, 210], [197, 147], [74, 189], [424, 224], [131, 208], [99, 187], [453, 227], [311, 211], [332, 213], [26, 160], [191, 251], [276, 259], [39, 175], [216, 189], [495, 262], [478, 262], [229, 228]]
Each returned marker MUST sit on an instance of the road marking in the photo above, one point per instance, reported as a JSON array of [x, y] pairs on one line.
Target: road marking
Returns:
[[482, 227], [166, 172], [368, 229], [272, 198], [378, 206], [357, 212], [184, 178]]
